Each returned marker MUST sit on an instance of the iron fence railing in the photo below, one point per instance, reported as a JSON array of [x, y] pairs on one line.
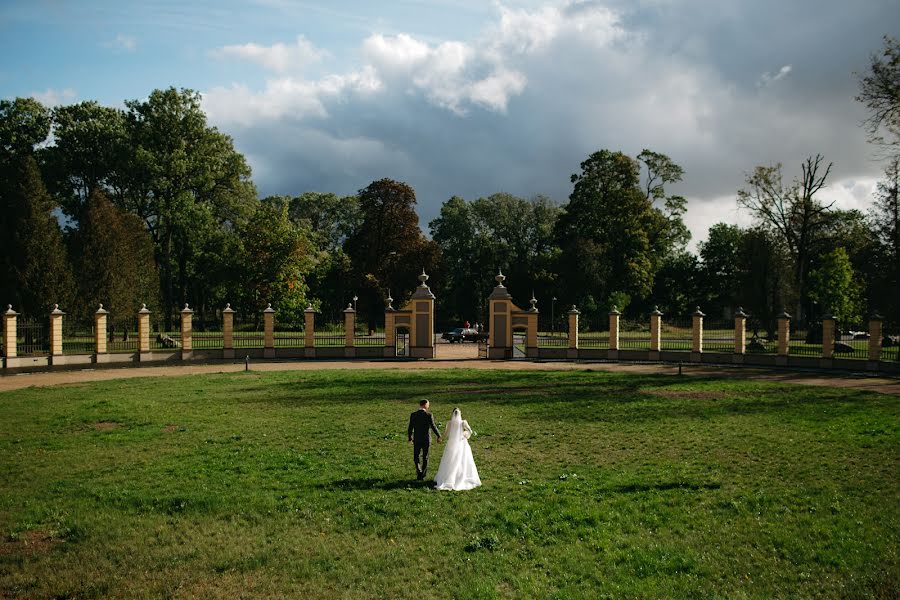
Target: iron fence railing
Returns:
[[365, 337], [805, 339], [890, 343], [593, 331], [330, 334], [634, 335], [851, 341], [32, 336], [718, 335], [163, 338], [78, 336], [552, 332], [676, 333], [122, 334]]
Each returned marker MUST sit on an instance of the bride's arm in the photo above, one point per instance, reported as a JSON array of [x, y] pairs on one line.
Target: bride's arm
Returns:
[[466, 427]]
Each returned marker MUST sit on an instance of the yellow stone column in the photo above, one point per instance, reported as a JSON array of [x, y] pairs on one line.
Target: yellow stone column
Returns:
[[740, 332], [269, 332], [421, 306], [349, 331], [829, 325], [309, 332], [697, 334], [573, 333], [100, 318], [228, 331], [614, 316], [187, 332], [784, 337], [655, 331], [56, 332], [531, 329], [144, 334], [875, 323], [390, 330], [9, 332]]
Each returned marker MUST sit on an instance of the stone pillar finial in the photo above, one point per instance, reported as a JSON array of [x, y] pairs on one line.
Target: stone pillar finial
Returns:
[[533, 302], [500, 277], [423, 278]]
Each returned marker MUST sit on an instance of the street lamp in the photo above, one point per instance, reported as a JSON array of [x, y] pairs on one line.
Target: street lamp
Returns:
[[552, 319], [355, 298]]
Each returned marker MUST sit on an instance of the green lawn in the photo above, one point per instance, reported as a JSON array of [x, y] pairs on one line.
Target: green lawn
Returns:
[[299, 484]]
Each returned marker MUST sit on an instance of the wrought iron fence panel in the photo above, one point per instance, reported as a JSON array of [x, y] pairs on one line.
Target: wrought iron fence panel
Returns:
[[32, 337], [851, 340], [634, 335], [552, 332], [676, 333], [890, 342], [805, 339], [78, 336], [290, 339], [760, 339], [593, 331], [162, 338], [365, 337], [122, 334], [718, 335], [330, 334]]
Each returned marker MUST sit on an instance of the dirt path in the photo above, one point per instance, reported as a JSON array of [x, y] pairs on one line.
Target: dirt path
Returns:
[[882, 385]]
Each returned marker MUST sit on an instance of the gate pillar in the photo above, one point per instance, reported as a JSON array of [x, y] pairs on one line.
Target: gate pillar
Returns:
[[500, 312], [421, 320]]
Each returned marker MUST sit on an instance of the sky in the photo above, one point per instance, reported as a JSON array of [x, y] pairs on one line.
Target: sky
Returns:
[[468, 98]]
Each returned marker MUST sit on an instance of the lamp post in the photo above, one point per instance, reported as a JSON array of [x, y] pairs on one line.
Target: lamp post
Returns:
[[552, 319], [355, 298]]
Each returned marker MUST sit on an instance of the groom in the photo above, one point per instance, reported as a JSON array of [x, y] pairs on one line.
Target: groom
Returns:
[[421, 424]]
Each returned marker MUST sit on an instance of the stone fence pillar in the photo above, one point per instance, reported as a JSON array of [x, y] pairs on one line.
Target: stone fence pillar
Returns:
[[100, 319], [573, 333], [187, 332], [349, 331], [531, 329], [614, 316], [740, 332], [144, 333], [697, 334], [655, 331], [390, 329], [784, 336], [56, 332], [875, 323], [228, 331], [829, 326], [9, 332], [269, 332], [309, 332]]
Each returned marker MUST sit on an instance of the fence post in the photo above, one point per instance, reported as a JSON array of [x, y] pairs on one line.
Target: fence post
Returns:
[[144, 334], [269, 334], [784, 337], [227, 331], [100, 318], [349, 331], [390, 332], [573, 333], [309, 332], [655, 332], [828, 337], [614, 316], [9, 332], [531, 335], [740, 335], [697, 335], [56, 332], [187, 332], [875, 323]]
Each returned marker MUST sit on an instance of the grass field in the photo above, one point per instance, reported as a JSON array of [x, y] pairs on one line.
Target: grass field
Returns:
[[301, 484]]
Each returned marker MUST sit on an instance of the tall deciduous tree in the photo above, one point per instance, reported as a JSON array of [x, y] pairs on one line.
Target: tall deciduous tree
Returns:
[[885, 221], [388, 250], [833, 285], [115, 262], [792, 212], [879, 90], [721, 268]]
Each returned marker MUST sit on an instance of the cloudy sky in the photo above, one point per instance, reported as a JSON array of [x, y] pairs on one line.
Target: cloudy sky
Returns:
[[472, 97]]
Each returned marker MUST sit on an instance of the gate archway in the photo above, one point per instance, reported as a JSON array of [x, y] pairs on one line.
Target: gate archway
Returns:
[[504, 319], [416, 319]]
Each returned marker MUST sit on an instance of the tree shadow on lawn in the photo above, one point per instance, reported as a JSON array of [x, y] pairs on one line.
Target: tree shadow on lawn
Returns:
[[374, 483]]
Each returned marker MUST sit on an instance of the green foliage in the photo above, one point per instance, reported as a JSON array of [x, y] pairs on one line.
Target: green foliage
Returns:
[[879, 90], [833, 286], [24, 123], [676, 286], [721, 267], [300, 484], [884, 220]]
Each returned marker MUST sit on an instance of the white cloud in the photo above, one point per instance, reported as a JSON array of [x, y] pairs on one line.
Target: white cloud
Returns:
[[277, 57], [767, 79], [51, 97], [127, 43]]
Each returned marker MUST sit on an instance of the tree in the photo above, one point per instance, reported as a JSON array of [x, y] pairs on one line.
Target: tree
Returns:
[[115, 263], [604, 233], [764, 270], [669, 231], [834, 287], [792, 212], [185, 180], [677, 285], [885, 222], [388, 250], [879, 90], [24, 123], [720, 270], [40, 274]]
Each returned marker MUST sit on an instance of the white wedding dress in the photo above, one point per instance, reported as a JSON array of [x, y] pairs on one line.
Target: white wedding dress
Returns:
[[457, 470]]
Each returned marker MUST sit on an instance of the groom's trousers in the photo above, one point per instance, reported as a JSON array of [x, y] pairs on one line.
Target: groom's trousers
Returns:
[[423, 448]]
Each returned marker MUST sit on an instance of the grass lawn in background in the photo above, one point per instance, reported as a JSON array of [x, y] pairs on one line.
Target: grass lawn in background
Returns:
[[301, 484]]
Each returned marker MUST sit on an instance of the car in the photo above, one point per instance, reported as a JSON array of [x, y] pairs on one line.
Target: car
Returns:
[[464, 334]]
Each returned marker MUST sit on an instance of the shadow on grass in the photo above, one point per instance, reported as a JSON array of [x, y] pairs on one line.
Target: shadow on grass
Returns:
[[634, 488], [375, 483]]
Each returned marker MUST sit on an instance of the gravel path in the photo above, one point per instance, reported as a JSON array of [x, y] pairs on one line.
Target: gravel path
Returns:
[[884, 385]]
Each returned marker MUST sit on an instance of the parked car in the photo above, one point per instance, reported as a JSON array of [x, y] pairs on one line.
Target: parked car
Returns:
[[464, 334]]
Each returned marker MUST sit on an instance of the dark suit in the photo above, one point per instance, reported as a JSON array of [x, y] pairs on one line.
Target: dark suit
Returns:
[[421, 424]]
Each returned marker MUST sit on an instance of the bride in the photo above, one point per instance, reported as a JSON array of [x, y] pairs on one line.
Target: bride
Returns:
[[457, 470]]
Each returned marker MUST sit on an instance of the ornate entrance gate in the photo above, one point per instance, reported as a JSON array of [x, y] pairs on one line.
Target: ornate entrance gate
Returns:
[[416, 317], [505, 317]]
